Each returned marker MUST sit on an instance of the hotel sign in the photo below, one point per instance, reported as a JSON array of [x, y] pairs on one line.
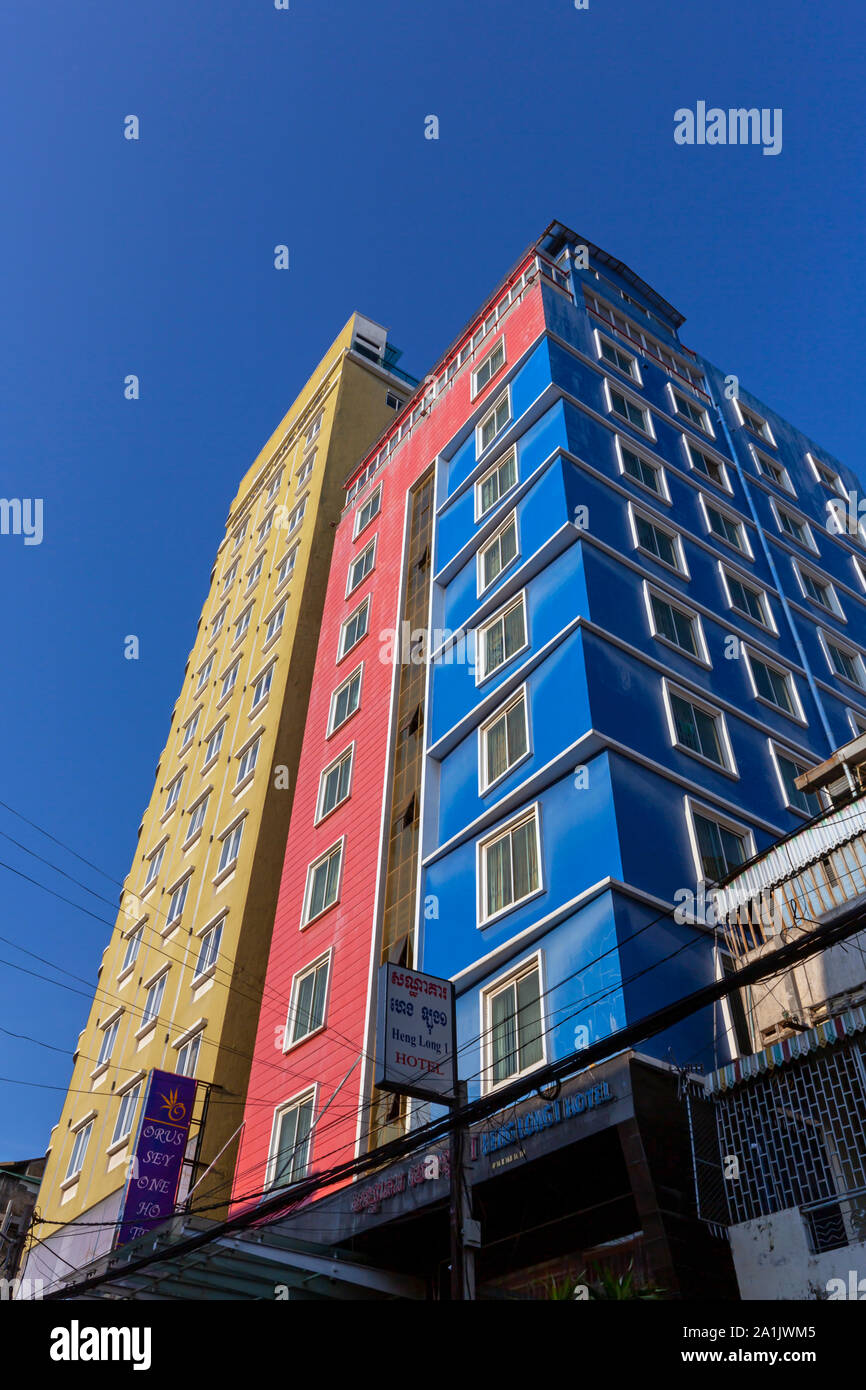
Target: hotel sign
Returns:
[[417, 1040], [159, 1154]]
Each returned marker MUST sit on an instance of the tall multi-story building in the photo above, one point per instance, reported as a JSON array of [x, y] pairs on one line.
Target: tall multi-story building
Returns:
[[593, 610], [181, 979]]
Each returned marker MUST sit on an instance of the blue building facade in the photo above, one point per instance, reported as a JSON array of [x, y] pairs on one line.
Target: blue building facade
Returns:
[[648, 617]]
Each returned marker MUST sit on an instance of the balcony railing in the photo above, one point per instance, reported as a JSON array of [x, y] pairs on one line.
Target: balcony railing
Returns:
[[836, 1221]]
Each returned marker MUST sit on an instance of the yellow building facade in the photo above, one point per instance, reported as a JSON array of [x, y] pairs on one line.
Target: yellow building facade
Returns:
[[181, 980]]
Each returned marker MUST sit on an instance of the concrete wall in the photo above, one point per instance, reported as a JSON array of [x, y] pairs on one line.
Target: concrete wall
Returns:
[[773, 1260]]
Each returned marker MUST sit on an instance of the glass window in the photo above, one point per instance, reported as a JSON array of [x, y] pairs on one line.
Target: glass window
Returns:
[[345, 700], [720, 849], [772, 684], [615, 355], [178, 898], [323, 881], [514, 1023], [153, 866], [334, 784], [628, 410], [510, 863], [845, 663], [214, 743], [230, 847], [173, 793], [133, 945], [307, 1010], [503, 637], [675, 626], [789, 771], [710, 467], [275, 622], [494, 423], [105, 1047], [247, 761], [370, 508], [354, 628], [746, 600], [126, 1113], [79, 1149], [362, 565], [292, 1142], [196, 817], [494, 485], [504, 740], [153, 1000], [187, 1056], [262, 687], [489, 367], [698, 730], [646, 473], [658, 543], [498, 553], [208, 950], [726, 528]]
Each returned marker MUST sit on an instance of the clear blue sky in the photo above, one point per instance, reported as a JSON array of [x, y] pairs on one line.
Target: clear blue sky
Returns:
[[306, 128]]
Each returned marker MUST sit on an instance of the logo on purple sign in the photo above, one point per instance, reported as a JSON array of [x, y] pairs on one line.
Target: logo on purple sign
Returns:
[[159, 1154]]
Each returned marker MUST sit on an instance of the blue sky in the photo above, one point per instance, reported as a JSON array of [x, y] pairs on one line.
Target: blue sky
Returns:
[[306, 127]]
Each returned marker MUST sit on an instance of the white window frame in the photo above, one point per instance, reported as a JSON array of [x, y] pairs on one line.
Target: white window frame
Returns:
[[204, 673], [481, 672], [675, 395], [290, 559], [278, 612], [833, 607], [254, 573], [173, 791], [188, 730], [533, 813], [681, 568], [199, 805], [218, 730], [529, 965], [763, 431], [663, 493], [332, 727], [828, 639], [728, 572], [693, 447], [156, 982], [183, 1046], [228, 577], [131, 952], [109, 1030], [244, 776], [308, 1093], [760, 457], [778, 750], [274, 486], [234, 666], [728, 765], [650, 591], [257, 703], [241, 623], [210, 932], [485, 781], [490, 414], [836, 486], [498, 346], [361, 612], [488, 473], [495, 539], [745, 551], [290, 1042], [348, 752], [775, 665], [371, 546], [809, 542], [648, 431], [225, 838], [154, 864], [358, 525], [693, 807], [338, 848], [181, 887], [83, 1132], [131, 1092], [632, 373]]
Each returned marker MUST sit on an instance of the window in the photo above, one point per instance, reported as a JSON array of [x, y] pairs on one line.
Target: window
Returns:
[[393, 402], [493, 423], [725, 527], [262, 687], [208, 951], [153, 865], [307, 1007], [290, 1145], [239, 535], [364, 515], [495, 483], [323, 883], [173, 794], [247, 761], [313, 431], [229, 576], [345, 700], [254, 572], [513, 1025], [502, 638], [510, 866], [187, 1056], [642, 470], [153, 1000], [196, 818], [629, 411], [109, 1035], [746, 599], [691, 410], [676, 626], [488, 368], [623, 361], [275, 622], [79, 1149], [704, 463], [175, 906], [265, 528], [204, 673], [354, 628], [791, 526], [819, 590], [754, 422], [219, 619], [361, 566], [231, 843], [287, 565], [773, 685], [133, 945], [275, 485], [305, 470], [229, 679], [242, 623], [504, 740], [334, 783], [789, 769], [844, 661], [826, 475], [497, 554], [664, 546], [720, 847], [126, 1113], [699, 729], [769, 468], [189, 729], [214, 743]]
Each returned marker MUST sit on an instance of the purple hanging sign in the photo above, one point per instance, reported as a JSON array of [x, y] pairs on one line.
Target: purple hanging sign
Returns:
[[159, 1154]]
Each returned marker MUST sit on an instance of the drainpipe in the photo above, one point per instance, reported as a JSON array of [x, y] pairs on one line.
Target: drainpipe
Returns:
[[774, 572]]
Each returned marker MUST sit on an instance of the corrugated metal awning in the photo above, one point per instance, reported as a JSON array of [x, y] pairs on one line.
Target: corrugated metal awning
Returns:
[[744, 1068]]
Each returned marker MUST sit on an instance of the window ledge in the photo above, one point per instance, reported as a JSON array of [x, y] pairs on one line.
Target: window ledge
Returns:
[[98, 1072], [117, 1144], [146, 1028], [220, 878], [70, 1182], [512, 907]]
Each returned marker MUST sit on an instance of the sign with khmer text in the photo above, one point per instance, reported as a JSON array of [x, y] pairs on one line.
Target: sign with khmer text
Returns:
[[416, 1048]]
